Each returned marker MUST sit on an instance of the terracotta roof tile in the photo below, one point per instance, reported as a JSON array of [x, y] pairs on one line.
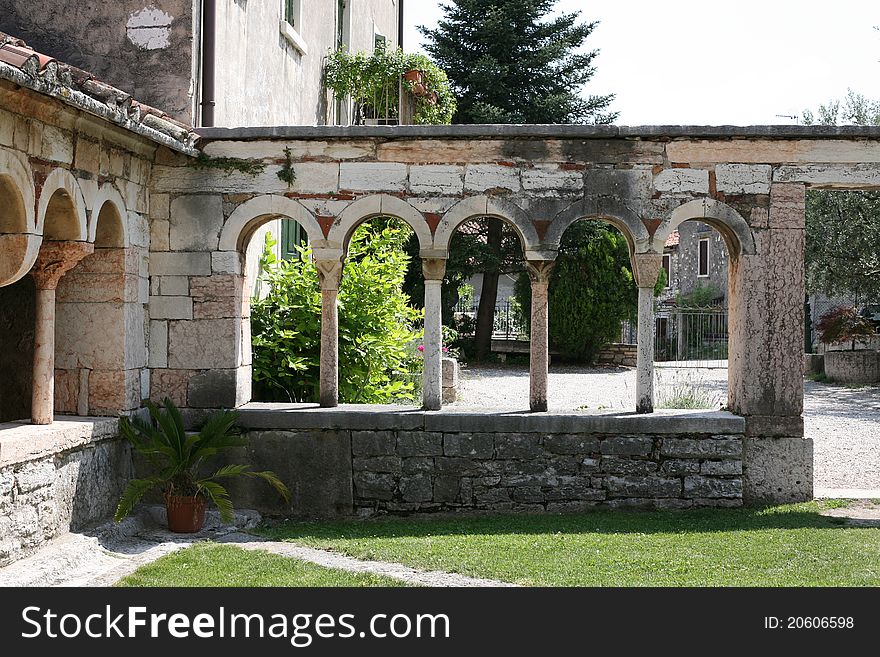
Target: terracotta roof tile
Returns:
[[45, 74], [672, 240]]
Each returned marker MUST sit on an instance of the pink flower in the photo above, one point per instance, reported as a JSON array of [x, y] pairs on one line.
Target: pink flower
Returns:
[[445, 350], [421, 347]]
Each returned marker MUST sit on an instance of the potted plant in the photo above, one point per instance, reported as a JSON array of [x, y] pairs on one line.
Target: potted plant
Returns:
[[178, 457], [415, 76]]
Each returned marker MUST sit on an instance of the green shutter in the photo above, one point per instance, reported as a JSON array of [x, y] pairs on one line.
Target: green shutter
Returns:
[[292, 236]]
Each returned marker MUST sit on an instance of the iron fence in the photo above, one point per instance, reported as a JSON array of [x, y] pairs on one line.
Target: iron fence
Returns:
[[691, 337], [507, 323]]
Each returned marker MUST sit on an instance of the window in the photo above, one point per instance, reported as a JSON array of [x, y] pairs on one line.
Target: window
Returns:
[[380, 42], [292, 13], [292, 236], [703, 258], [667, 267], [292, 24]]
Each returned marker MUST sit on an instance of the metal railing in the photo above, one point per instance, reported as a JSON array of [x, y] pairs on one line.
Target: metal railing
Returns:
[[691, 337], [507, 323]]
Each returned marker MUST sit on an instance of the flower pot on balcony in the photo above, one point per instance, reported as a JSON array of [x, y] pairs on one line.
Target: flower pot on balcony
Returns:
[[415, 76]]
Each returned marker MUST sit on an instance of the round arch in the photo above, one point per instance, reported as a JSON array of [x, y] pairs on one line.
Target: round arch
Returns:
[[614, 213], [733, 228], [17, 181], [107, 222], [484, 206], [62, 182], [248, 216], [378, 205]]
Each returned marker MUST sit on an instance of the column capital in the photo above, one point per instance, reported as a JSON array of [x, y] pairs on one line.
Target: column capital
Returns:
[[55, 259], [329, 273], [539, 270], [434, 269], [646, 267]]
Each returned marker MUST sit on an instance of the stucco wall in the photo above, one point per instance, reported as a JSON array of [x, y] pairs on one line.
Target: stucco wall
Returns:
[[263, 78], [144, 47], [686, 263]]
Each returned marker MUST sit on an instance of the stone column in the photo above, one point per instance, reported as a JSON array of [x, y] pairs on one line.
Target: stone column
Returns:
[[765, 363], [646, 267], [432, 375], [330, 274], [55, 260], [539, 350]]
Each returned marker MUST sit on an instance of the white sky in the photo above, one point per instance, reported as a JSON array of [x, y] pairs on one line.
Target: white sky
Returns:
[[705, 62]]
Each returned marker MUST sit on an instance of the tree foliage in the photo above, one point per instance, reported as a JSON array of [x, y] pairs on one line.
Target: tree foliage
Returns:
[[591, 291], [843, 227], [511, 61], [379, 331]]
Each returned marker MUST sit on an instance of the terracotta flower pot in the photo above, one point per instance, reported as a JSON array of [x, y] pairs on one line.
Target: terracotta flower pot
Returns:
[[415, 76], [186, 514]]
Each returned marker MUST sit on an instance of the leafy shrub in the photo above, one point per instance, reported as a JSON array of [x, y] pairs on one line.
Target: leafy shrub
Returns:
[[844, 324], [700, 296], [378, 330], [591, 291]]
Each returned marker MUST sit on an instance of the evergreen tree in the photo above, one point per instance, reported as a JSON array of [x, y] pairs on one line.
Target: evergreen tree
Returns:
[[512, 61]]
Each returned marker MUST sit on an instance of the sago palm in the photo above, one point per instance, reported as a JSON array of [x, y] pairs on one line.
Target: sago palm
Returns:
[[177, 457]]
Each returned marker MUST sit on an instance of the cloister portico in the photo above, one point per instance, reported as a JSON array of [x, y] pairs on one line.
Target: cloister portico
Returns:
[[145, 244]]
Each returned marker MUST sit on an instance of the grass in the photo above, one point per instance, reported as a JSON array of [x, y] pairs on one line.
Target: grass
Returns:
[[207, 564], [691, 392], [779, 546]]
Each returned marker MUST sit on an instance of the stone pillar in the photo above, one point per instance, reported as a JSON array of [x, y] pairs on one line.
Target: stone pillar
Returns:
[[765, 374], [330, 274], [539, 350], [55, 260], [432, 374], [646, 268]]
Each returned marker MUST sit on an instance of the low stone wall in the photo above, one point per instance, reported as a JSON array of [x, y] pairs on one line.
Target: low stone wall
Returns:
[[57, 478], [814, 364], [618, 354], [853, 366], [377, 459]]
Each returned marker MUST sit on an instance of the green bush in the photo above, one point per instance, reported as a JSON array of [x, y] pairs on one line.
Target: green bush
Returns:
[[379, 331], [591, 291]]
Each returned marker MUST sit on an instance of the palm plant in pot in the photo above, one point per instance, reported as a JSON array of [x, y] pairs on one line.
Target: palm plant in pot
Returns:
[[178, 459]]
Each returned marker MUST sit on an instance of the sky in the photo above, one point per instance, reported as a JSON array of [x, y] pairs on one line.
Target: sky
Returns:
[[738, 62]]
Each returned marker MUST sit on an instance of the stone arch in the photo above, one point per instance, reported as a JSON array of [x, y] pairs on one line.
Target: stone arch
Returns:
[[733, 228], [378, 205], [108, 226], [485, 206], [19, 241], [248, 216], [613, 212], [16, 194], [61, 213]]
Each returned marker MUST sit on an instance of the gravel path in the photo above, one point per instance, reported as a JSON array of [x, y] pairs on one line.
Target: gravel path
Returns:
[[843, 422]]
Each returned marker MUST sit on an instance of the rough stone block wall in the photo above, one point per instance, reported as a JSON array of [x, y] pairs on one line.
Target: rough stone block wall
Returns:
[[46, 493], [365, 460], [853, 366], [405, 471], [618, 354]]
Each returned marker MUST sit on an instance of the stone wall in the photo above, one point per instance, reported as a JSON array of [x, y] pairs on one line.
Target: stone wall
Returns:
[[365, 460], [858, 367], [618, 354], [57, 479]]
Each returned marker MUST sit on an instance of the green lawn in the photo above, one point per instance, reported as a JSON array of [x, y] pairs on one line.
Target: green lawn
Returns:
[[207, 564], [780, 546]]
